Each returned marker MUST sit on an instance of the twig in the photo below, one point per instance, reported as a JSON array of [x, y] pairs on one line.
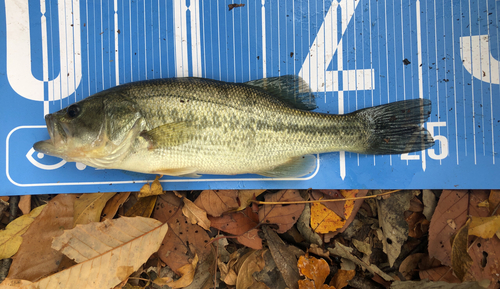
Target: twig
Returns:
[[324, 201]]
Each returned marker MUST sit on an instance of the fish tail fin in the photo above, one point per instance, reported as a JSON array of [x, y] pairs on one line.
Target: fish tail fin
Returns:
[[396, 128]]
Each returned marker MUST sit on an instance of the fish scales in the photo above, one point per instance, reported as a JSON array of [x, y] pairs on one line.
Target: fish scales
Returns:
[[189, 126], [239, 127]]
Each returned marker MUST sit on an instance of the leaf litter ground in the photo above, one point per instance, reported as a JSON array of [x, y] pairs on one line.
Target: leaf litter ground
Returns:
[[252, 239]]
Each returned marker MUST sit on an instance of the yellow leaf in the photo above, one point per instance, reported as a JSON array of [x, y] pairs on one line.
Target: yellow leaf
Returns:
[[151, 190], [10, 238], [88, 207], [254, 262], [484, 227], [187, 274], [195, 214], [143, 208], [324, 220], [105, 261]]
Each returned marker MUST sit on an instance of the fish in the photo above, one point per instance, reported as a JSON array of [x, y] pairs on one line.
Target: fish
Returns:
[[194, 126]]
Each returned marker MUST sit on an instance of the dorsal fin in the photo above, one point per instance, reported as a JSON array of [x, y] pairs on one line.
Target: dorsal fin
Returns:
[[291, 89]]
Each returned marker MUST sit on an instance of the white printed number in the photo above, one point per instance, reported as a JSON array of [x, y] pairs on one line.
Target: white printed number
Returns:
[[442, 141]]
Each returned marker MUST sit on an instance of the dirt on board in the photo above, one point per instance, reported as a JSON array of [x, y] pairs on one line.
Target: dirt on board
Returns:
[[296, 239]]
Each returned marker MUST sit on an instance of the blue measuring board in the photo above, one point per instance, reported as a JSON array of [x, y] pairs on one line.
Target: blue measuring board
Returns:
[[353, 53]]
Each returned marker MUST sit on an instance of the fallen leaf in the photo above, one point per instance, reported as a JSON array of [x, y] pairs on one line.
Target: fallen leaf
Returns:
[[4, 198], [364, 248], [151, 190], [242, 224], [109, 261], [451, 206], [253, 262], [246, 196], [285, 216], [394, 227], [315, 269], [346, 252], [35, 258], [270, 274], [10, 238], [143, 208], [484, 227], [429, 200], [336, 207], [418, 225], [341, 278], [283, 257], [195, 215], [305, 230], [410, 265], [88, 207], [426, 284], [25, 204], [183, 240], [113, 205], [440, 273], [187, 274], [216, 202]]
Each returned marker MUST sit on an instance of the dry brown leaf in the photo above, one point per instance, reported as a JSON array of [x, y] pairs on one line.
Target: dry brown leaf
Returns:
[[35, 258], [113, 205], [187, 274], [285, 216], [341, 278], [493, 200], [217, 202], [346, 252], [246, 196], [242, 224], [253, 262], [183, 240], [283, 256], [195, 215], [25, 204], [336, 207], [441, 273], [460, 259], [452, 206], [410, 264], [4, 198], [151, 190], [418, 225], [143, 208], [105, 261], [484, 227], [88, 207], [10, 238]]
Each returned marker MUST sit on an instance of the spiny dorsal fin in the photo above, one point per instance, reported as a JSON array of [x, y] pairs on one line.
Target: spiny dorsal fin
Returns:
[[295, 167], [168, 135], [291, 89]]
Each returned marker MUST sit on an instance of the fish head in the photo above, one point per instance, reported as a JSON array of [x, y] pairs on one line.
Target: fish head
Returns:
[[75, 130], [95, 131]]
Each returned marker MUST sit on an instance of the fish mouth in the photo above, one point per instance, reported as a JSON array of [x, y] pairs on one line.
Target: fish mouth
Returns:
[[57, 141]]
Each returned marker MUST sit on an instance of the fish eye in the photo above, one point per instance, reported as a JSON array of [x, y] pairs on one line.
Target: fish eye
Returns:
[[73, 111]]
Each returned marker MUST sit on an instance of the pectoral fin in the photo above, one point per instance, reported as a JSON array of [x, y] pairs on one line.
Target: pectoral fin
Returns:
[[169, 135], [295, 167]]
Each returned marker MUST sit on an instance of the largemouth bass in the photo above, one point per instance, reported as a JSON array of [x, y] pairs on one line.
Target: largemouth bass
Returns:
[[193, 126]]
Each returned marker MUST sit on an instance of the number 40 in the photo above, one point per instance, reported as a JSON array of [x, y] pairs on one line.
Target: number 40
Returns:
[[442, 142]]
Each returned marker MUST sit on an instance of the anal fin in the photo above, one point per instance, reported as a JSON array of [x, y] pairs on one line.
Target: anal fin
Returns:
[[295, 167], [178, 172]]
